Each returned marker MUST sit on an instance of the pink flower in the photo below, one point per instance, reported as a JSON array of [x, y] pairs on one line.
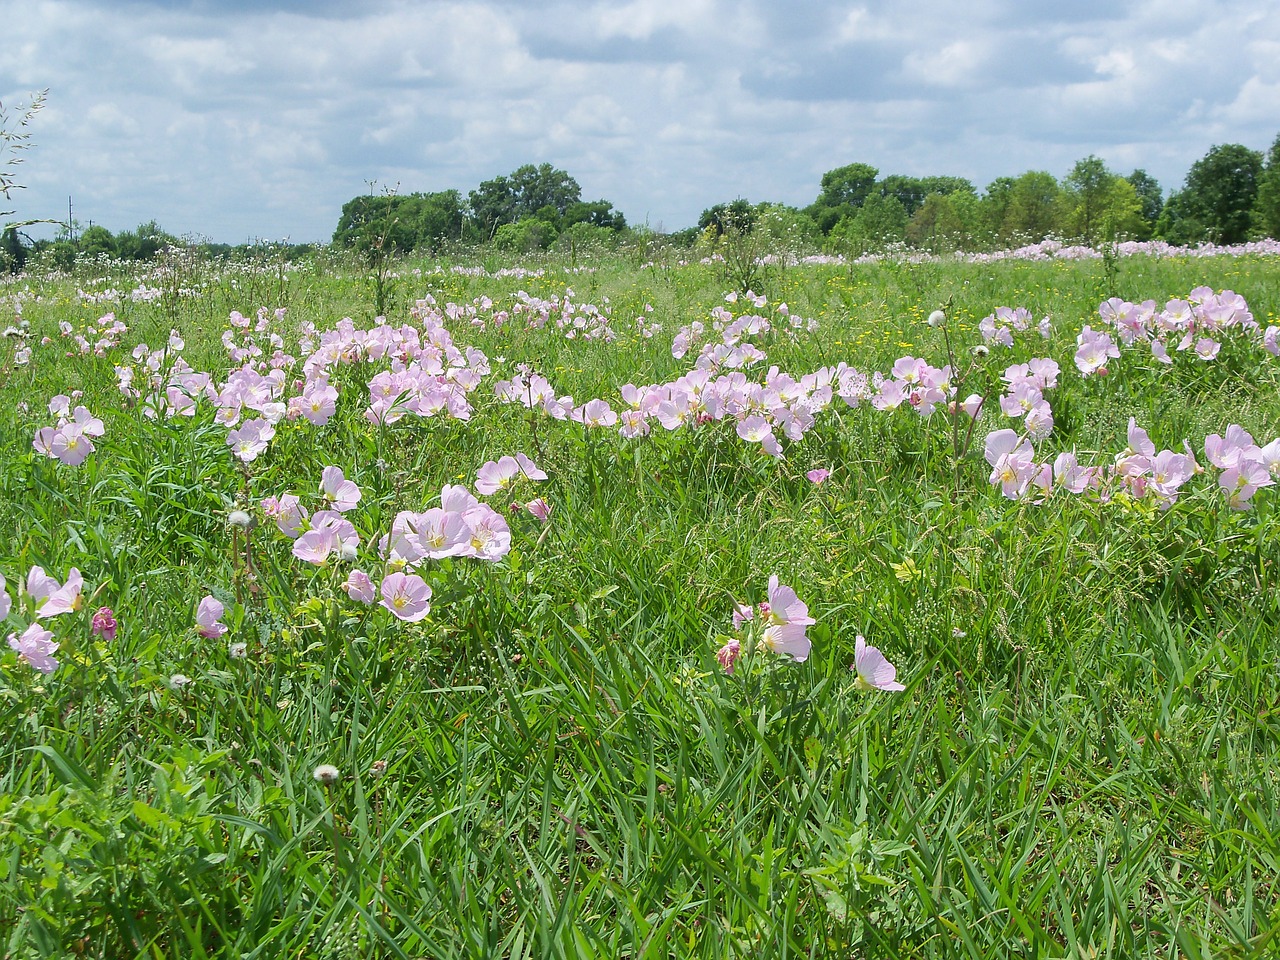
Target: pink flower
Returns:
[[5, 602], [497, 475], [743, 612], [819, 475], [728, 655], [341, 493], [251, 439], [873, 670], [406, 596], [67, 598], [786, 622], [540, 509], [359, 587], [36, 646], [208, 619], [1012, 462], [70, 444], [104, 624]]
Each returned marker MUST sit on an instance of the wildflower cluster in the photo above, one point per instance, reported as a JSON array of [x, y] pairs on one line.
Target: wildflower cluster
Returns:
[[70, 441]]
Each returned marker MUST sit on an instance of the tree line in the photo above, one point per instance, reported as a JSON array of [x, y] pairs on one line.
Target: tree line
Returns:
[[1230, 195]]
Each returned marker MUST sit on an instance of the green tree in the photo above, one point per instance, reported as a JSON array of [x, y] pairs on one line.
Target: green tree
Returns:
[[738, 216], [527, 190], [880, 222], [949, 221], [144, 242], [1265, 216], [843, 190], [600, 213], [912, 191], [97, 241], [1032, 211], [1084, 189], [1150, 196], [1098, 205], [1216, 200]]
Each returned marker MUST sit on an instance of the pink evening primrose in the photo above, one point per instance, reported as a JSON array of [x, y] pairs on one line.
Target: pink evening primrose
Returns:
[[786, 622], [37, 647], [406, 596], [342, 494], [104, 624], [873, 670], [208, 619], [819, 475]]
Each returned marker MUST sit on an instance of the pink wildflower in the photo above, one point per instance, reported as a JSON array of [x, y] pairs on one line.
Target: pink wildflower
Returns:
[[359, 587], [37, 647], [873, 670], [208, 619], [786, 622], [819, 475], [104, 624], [341, 493], [406, 596]]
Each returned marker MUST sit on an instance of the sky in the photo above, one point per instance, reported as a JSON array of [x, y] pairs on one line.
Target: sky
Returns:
[[240, 120]]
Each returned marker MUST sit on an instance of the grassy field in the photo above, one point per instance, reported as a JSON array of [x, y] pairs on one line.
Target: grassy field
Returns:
[[553, 760]]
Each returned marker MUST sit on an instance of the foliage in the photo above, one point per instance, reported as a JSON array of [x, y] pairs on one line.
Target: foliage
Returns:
[[1215, 202], [552, 762]]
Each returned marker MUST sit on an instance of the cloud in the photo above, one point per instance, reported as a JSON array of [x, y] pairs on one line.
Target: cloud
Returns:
[[240, 118]]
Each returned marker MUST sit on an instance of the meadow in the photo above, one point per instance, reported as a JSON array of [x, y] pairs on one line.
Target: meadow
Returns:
[[606, 608]]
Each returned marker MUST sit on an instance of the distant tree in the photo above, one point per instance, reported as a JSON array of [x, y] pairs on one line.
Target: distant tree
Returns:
[[1149, 195], [912, 191], [878, 223], [144, 242], [1098, 205], [1265, 216], [995, 204], [948, 222], [526, 191], [739, 216], [1085, 188], [600, 213], [13, 252], [843, 190], [1218, 195], [1032, 212], [97, 241]]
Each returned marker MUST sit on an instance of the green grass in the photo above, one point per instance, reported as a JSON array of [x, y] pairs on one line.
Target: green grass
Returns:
[[1084, 762]]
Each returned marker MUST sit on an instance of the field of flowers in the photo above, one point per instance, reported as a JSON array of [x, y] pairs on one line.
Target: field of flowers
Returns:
[[886, 609]]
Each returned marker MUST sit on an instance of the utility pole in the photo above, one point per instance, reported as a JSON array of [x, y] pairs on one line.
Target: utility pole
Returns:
[[71, 224]]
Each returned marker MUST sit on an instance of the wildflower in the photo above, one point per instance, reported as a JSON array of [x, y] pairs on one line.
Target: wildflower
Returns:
[[208, 619], [937, 318], [67, 598], [539, 508], [240, 518], [37, 647], [5, 602], [406, 596], [819, 475], [238, 650], [728, 655], [104, 624], [341, 493], [178, 681], [379, 767], [873, 670], [359, 587], [326, 774], [786, 620]]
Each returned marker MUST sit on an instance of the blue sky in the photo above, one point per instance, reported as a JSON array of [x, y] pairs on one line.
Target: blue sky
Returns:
[[241, 119]]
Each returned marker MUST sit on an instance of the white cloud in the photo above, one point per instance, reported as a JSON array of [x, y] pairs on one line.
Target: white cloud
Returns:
[[244, 119]]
